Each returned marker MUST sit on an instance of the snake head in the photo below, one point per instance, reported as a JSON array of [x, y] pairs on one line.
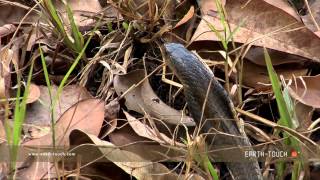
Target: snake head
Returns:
[[185, 65], [179, 57]]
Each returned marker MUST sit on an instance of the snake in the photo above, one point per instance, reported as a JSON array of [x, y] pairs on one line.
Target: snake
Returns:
[[212, 109]]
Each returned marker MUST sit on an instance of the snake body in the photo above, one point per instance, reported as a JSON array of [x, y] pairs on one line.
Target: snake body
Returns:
[[211, 108]]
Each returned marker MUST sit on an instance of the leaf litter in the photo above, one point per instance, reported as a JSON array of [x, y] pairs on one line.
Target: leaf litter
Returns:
[[122, 106]]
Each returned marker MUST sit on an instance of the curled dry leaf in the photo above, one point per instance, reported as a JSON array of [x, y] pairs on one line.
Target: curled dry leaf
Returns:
[[86, 115], [209, 6], [272, 28], [304, 115], [142, 99], [2, 133], [6, 56], [111, 114], [6, 30], [4, 170], [306, 89], [186, 17], [39, 115], [131, 163], [34, 93], [146, 131], [315, 12], [128, 140]]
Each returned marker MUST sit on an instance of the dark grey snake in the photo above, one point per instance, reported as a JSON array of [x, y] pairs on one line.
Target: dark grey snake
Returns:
[[201, 87]]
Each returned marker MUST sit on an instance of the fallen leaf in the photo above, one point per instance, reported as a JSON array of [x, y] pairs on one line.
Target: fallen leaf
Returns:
[[38, 114], [111, 114], [2, 133], [34, 93], [256, 76], [128, 140], [131, 163], [142, 99], [263, 25], [307, 20], [6, 56], [7, 16], [306, 89], [256, 55], [146, 131], [4, 170], [209, 6], [81, 10], [304, 116], [6, 30], [86, 115], [284, 6], [186, 17], [37, 170]]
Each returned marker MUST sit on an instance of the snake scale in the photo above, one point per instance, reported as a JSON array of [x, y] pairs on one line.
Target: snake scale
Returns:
[[201, 87]]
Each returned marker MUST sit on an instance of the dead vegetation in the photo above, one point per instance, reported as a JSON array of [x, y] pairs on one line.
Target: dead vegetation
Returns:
[[87, 80]]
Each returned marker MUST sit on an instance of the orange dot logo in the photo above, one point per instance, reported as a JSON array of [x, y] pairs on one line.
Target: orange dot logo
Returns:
[[294, 153]]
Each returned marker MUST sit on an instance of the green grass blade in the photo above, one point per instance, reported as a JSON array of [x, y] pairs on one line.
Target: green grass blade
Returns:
[[19, 116], [286, 111], [53, 14], [219, 36], [212, 170], [74, 64], [234, 31], [285, 119], [78, 38], [46, 77]]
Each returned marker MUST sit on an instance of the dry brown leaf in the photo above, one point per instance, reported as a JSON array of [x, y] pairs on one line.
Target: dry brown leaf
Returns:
[[307, 20], [111, 114], [39, 115], [83, 11], [6, 56], [146, 131], [260, 22], [6, 30], [4, 170], [38, 170], [86, 115], [256, 55], [131, 163], [209, 6], [186, 17], [13, 12], [257, 76], [80, 9], [142, 99], [304, 116], [128, 140], [306, 89], [34, 93], [2, 133], [285, 6]]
